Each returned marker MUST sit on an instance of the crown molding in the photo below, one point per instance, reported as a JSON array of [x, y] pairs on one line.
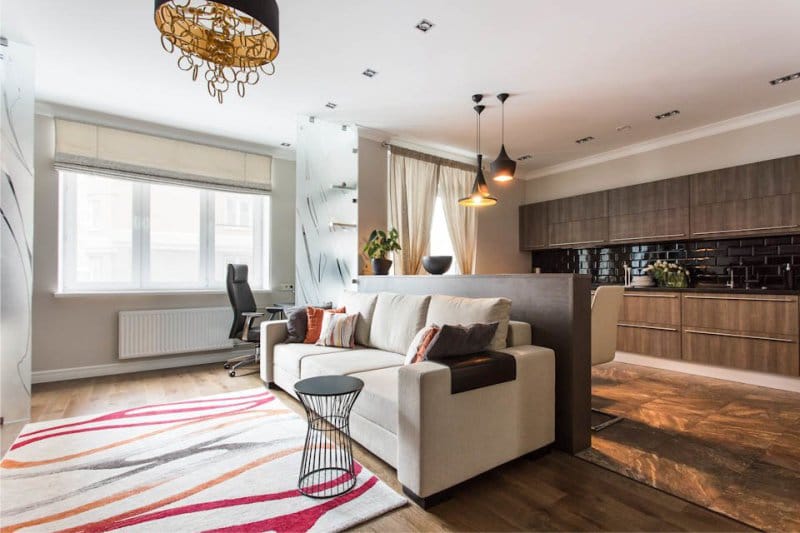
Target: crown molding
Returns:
[[445, 152], [716, 128]]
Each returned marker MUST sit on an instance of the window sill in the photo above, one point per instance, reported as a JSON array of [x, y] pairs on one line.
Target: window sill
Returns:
[[153, 292]]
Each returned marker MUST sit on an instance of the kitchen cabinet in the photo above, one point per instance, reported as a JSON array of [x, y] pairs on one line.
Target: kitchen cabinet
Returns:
[[533, 226], [650, 324], [578, 221], [749, 332], [649, 212], [755, 199]]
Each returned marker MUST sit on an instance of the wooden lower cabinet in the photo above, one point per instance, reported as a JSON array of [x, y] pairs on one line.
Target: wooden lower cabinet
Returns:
[[776, 355], [649, 340]]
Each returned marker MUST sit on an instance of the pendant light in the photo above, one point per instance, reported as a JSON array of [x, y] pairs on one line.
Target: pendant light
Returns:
[[479, 197], [503, 167]]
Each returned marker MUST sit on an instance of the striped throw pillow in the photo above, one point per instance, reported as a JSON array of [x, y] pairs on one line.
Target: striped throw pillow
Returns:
[[338, 329]]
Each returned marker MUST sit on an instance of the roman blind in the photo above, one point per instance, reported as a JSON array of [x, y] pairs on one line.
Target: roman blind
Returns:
[[87, 147]]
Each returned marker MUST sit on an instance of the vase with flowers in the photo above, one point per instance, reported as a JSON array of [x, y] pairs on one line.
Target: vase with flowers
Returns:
[[668, 274]]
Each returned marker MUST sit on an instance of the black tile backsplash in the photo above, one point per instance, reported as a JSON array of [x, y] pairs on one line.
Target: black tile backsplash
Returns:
[[709, 262]]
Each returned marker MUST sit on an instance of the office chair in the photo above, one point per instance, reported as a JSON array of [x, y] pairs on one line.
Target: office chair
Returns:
[[606, 306], [245, 314]]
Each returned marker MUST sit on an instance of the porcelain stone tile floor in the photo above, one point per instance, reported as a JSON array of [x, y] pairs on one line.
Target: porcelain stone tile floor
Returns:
[[730, 447]]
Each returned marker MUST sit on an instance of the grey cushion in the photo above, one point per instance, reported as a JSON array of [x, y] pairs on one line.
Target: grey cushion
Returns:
[[397, 318], [453, 340], [363, 304], [297, 321]]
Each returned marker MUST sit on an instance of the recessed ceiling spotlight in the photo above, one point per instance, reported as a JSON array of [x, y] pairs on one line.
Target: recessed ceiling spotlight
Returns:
[[524, 157], [626, 127], [330, 105], [286, 145], [668, 114], [585, 140], [788, 77], [424, 25], [369, 73]]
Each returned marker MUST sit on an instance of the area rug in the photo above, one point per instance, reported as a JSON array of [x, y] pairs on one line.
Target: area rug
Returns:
[[220, 463]]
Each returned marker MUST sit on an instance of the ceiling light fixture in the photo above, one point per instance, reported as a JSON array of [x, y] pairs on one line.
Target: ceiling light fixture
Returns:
[[424, 25], [585, 140], [286, 145], [784, 79], [624, 128], [330, 105], [668, 114], [235, 40], [525, 157], [503, 168], [480, 196], [369, 73]]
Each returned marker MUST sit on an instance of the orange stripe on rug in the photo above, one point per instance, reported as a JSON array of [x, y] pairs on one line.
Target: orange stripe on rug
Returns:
[[103, 525], [12, 464]]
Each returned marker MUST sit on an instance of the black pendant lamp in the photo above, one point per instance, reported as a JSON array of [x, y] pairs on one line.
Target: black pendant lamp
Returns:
[[503, 167], [479, 197]]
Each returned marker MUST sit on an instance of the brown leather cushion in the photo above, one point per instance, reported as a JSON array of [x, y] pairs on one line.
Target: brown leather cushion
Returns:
[[454, 340], [478, 370]]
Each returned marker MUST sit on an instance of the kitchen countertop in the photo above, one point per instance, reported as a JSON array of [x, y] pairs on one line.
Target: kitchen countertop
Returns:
[[721, 290]]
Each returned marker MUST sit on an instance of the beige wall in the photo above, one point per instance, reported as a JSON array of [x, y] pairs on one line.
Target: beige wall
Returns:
[[498, 232], [372, 194], [81, 331], [769, 140]]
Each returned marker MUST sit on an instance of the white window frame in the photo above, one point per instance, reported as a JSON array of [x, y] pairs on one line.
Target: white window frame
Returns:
[[140, 255]]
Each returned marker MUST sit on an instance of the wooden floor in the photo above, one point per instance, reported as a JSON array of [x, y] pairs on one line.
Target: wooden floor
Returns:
[[556, 492], [731, 447]]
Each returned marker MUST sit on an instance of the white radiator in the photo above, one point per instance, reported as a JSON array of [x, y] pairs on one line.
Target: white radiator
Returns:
[[171, 331]]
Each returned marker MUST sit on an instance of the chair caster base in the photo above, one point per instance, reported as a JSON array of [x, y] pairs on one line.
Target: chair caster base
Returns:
[[232, 373], [226, 366]]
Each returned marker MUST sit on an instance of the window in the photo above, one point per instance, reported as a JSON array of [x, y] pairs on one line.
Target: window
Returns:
[[440, 243], [119, 234]]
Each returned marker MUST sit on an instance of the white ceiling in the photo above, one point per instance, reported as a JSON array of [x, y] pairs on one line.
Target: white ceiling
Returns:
[[574, 68]]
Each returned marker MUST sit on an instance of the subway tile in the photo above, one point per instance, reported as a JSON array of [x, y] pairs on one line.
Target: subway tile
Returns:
[[740, 250], [765, 250]]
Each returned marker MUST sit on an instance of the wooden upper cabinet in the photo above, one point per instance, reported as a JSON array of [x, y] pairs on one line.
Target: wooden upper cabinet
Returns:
[[649, 212], [754, 199], [583, 207], [579, 233], [533, 227]]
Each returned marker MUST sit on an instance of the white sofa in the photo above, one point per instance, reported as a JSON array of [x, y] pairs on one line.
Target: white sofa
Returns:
[[407, 415]]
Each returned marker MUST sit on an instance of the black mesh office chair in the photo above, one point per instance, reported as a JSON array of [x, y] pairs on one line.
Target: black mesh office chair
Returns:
[[244, 328]]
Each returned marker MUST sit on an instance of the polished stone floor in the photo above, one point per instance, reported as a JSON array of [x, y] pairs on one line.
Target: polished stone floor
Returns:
[[730, 447]]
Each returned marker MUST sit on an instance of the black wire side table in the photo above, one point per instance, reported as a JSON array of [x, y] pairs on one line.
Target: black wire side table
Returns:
[[327, 468]]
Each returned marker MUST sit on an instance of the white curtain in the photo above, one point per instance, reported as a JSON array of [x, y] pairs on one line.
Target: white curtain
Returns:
[[413, 182], [462, 222]]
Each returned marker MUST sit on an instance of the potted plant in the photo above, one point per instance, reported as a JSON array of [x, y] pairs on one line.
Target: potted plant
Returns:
[[378, 245], [668, 274]]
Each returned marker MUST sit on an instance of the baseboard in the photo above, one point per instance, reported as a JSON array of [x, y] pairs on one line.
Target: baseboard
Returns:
[[128, 367], [760, 379]]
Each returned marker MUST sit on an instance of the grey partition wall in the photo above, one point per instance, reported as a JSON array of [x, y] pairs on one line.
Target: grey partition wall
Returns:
[[557, 306], [326, 240], [16, 249]]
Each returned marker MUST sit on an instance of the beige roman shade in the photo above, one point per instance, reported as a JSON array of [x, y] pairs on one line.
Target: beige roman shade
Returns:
[[86, 147]]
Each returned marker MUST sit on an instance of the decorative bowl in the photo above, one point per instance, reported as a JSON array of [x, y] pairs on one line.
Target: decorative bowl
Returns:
[[437, 264]]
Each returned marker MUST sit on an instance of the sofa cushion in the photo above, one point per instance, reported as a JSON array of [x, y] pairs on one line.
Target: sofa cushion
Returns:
[[397, 318], [348, 362], [453, 341], [297, 322], [315, 316], [362, 303], [288, 356], [378, 399], [457, 310], [338, 329]]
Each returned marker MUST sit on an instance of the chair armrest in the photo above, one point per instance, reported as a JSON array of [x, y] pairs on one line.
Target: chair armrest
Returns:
[[248, 323], [444, 438], [253, 314], [272, 332]]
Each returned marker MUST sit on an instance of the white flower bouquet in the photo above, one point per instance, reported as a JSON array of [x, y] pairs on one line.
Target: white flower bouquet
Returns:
[[668, 274]]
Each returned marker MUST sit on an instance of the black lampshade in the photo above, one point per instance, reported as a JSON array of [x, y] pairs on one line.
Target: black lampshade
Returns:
[[503, 168], [480, 196]]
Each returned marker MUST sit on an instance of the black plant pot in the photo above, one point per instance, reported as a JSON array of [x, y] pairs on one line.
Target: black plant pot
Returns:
[[437, 264], [380, 267]]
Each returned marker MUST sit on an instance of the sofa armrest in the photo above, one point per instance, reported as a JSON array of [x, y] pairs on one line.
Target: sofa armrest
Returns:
[[444, 438], [519, 333], [272, 332]]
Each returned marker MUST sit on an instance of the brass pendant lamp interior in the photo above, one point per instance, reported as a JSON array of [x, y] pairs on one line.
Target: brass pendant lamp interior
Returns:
[[232, 42]]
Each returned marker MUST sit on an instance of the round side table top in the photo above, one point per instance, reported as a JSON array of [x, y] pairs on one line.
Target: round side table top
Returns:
[[328, 385]]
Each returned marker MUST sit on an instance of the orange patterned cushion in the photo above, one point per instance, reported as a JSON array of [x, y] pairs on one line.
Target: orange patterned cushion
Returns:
[[315, 315]]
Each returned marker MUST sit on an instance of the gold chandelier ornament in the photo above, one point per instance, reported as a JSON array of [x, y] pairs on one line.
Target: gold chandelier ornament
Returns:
[[234, 42]]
